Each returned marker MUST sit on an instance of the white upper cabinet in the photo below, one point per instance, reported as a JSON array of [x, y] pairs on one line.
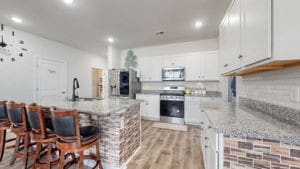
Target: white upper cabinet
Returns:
[[256, 30], [202, 66], [234, 34], [193, 68], [174, 61], [155, 68], [144, 68], [210, 62]]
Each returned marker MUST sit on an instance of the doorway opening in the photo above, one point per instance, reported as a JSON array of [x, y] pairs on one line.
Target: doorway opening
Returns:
[[97, 83]]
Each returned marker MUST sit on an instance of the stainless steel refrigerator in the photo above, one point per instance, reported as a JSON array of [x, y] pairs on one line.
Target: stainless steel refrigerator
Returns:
[[124, 82]]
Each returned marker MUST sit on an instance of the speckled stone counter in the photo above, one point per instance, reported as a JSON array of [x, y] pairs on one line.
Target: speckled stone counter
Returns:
[[239, 121], [253, 139], [97, 107]]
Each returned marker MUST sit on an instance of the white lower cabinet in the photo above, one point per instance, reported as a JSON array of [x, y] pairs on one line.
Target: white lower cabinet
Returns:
[[212, 146], [150, 108], [193, 109]]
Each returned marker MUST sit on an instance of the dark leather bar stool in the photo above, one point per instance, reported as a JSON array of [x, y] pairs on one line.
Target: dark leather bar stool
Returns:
[[43, 134], [20, 127], [4, 125], [75, 139]]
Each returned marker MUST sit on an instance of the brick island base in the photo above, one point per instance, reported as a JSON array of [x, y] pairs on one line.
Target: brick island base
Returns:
[[120, 135]]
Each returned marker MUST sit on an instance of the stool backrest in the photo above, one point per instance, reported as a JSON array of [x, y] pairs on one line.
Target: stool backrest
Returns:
[[36, 119], [66, 125], [3, 110], [17, 114]]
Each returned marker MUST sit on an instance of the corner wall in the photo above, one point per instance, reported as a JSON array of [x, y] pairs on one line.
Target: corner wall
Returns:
[[17, 79]]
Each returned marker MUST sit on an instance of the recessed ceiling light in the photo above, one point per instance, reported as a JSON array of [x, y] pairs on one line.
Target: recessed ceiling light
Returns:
[[198, 24], [16, 19], [69, 1], [110, 40]]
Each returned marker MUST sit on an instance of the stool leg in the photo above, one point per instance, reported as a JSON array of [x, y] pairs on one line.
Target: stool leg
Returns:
[[62, 160], [81, 157], [98, 156], [37, 153], [2, 143], [26, 144], [13, 159], [49, 148]]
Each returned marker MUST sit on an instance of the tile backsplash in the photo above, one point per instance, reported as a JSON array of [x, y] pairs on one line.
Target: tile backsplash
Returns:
[[210, 86], [277, 87]]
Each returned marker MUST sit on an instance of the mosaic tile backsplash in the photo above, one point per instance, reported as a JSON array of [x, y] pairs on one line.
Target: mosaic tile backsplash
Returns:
[[240, 153]]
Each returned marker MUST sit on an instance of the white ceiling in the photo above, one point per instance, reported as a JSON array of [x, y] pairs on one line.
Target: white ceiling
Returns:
[[87, 23]]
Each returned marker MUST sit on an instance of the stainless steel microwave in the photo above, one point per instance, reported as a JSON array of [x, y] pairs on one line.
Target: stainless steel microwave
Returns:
[[173, 74]]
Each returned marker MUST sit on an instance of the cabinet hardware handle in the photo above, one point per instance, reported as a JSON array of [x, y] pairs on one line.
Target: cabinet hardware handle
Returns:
[[209, 127], [206, 146], [206, 138], [226, 65], [202, 123], [240, 56]]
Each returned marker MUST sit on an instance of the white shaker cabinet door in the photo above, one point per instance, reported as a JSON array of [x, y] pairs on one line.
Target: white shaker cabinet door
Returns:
[[193, 67], [144, 68], [144, 105], [234, 35], [156, 70], [174, 61], [154, 107], [209, 66], [256, 30]]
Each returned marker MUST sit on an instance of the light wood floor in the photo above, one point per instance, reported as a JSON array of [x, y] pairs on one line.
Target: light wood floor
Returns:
[[161, 149], [168, 149]]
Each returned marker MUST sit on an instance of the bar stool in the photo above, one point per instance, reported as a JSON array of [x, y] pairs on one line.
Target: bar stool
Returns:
[[17, 117], [75, 139], [42, 134], [4, 125]]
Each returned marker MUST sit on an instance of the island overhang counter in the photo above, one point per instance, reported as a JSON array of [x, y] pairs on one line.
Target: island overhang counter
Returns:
[[119, 121]]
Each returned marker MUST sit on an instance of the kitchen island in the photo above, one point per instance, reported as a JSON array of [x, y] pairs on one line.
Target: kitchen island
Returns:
[[119, 122], [235, 136]]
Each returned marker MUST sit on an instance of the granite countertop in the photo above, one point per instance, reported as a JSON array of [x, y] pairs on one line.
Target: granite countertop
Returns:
[[236, 120], [96, 107]]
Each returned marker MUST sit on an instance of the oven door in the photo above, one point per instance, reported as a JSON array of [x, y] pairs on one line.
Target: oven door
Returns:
[[170, 108]]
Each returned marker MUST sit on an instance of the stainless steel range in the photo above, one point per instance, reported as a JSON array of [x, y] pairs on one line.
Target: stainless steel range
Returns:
[[172, 104]]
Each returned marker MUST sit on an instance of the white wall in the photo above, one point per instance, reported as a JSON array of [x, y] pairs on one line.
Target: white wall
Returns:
[[176, 48], [17, 79], [276, 87]]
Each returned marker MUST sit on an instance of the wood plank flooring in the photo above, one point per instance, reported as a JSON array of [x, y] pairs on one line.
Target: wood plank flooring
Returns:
[[168, 149], [161, 149]]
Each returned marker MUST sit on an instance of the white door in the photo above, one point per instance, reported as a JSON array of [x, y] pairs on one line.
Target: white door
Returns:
[[209, 66], [51, 79], [155, 68], [256, 30]]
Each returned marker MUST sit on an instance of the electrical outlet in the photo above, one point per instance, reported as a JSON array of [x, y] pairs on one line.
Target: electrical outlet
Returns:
[[295, 94]]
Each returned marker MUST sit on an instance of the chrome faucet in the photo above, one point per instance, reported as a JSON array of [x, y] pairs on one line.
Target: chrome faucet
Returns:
[[75, 86]]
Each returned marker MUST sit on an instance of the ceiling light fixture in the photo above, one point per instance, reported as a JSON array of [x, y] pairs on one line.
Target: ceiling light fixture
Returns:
[[110, 40], [16, 19], [69, 1], [198, 24]]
